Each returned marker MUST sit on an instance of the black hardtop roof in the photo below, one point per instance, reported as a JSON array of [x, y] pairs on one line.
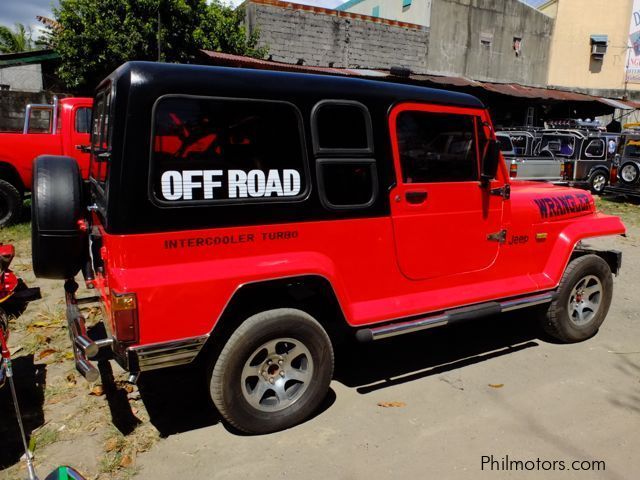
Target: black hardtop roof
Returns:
[[156, 79]]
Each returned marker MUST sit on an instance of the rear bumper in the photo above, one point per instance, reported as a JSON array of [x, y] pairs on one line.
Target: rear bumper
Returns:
[[134, 359], [619, 190]]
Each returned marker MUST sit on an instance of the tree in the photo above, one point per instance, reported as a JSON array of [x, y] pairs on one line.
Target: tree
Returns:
[[93, 37], [16, 41]]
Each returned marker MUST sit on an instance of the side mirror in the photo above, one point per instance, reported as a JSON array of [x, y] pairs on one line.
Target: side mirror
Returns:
[[490, 162]]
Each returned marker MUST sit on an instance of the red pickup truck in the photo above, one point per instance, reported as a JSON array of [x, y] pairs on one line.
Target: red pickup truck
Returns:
[[61, 128]]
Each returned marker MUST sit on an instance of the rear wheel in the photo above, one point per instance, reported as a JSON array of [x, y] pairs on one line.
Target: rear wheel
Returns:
[[10, 204], [273, 372], [629, 173], [583, 300], [597, 181]]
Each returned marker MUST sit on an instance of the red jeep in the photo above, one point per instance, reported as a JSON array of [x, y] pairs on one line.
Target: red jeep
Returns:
[[253, 219], [58, 129]]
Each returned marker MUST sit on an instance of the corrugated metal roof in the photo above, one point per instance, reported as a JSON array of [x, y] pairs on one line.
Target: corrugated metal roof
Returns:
[[25, 58], [510, 89]]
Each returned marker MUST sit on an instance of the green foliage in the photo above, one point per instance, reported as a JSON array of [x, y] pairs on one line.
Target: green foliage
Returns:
[[96, 36], [14, 41]]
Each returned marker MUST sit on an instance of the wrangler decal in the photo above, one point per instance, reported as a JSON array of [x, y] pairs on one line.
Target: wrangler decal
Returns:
[[562, 205]]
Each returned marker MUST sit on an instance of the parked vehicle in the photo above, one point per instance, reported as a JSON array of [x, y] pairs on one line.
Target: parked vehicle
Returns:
[[61, 128], [584, 150], [625, 171], [253, 219], [517, 147]]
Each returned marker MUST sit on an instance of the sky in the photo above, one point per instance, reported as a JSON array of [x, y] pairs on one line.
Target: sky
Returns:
[[25, 11]]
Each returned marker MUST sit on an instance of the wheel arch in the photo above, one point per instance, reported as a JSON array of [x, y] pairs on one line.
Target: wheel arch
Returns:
[[9, 173], [313, 294]]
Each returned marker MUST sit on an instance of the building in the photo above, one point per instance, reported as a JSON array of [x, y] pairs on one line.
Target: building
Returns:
[[27, 71], [487, 40], [595, 47], [410, 11]]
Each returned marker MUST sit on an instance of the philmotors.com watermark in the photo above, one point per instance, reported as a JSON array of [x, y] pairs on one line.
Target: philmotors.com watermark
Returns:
[[508, 464]]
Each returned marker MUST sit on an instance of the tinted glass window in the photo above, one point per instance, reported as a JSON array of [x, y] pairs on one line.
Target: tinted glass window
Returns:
[[342, 126], [505, 143], [83, 120], [347, 183], [595, 148], [563, 145], [436, 147], [101, 139], [519, 144], [631, 147], [208, 150]]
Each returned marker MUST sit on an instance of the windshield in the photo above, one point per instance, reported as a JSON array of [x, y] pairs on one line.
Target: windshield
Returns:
[[560, 145]]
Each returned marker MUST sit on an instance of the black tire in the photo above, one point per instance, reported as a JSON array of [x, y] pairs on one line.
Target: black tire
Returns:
[[597, 181], [559, 322], [59, 246], [629, 173], [230, 389], [10, 204]]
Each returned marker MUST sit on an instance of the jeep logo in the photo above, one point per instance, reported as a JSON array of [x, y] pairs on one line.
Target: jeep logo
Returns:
[[214, 184]]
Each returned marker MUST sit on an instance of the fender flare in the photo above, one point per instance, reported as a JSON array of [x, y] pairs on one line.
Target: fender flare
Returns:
[[592, 226], [10, 173]]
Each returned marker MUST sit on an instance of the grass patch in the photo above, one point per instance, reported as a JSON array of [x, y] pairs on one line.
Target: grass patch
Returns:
[[20, 232], [43, 437], [627, 210]]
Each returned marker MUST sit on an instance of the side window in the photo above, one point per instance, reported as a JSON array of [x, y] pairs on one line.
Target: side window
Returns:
[[101, 139], [212, 150], [343, 147], [436, 147], [83, 120], [595, 148]]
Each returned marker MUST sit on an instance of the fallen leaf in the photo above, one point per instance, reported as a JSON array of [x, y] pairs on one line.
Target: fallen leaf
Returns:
[[45, 353], [496, 385], [97, 391], [126, 461], [111, 445], [68, 356], [391, 404], [71, 379]]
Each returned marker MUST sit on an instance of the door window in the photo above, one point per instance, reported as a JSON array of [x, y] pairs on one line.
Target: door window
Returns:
[[437, 147], [595, 148], [83, 120]]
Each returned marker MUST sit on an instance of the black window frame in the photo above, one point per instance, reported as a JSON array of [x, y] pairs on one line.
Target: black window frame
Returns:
[[318, 150], [369, 162], [102, 188], [344, 156], [301, 197]]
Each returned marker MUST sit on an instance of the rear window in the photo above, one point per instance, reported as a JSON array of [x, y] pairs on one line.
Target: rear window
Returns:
[[632, 148], [209, 150], [505, 143], [561, 145]]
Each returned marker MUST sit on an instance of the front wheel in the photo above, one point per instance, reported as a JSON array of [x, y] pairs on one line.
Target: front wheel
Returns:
[[583, 300], [273, 372], [597, 181], [10, 204]]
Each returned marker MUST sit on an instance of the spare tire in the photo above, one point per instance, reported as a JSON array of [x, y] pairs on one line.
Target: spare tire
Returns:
[[629, 173], [59, 247]]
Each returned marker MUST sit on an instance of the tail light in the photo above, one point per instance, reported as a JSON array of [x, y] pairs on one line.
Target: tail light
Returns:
[[124, 313], [513, 170], [613, 175], [568, 170]]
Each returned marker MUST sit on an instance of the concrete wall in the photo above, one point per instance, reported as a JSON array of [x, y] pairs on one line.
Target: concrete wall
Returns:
[[318, 36], [458, 26], [12, 108], [570, 62], [24, 78], [419, 12]]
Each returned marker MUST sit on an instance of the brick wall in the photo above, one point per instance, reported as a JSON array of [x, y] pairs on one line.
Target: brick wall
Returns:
[[322, 37]]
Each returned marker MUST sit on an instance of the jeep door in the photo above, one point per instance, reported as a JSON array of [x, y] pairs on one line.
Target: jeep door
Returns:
[[445, 223]]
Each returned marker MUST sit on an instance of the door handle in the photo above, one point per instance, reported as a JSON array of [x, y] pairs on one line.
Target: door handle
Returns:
[[415, 197]]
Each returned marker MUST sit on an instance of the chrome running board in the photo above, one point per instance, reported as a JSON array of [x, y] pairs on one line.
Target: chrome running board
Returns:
[[452, 316]]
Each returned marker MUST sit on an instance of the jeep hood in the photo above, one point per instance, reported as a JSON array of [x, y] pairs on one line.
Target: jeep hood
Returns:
[[552, 202]]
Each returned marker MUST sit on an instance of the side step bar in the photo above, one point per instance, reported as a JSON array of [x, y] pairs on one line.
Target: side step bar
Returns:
[[452, 316]]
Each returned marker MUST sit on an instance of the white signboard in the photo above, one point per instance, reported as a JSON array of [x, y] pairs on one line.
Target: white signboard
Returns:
[[633, 58]]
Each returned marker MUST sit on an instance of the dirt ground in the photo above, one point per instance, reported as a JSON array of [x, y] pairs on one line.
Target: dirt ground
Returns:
[[432, 405]]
